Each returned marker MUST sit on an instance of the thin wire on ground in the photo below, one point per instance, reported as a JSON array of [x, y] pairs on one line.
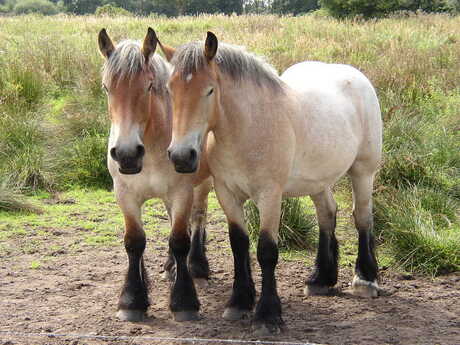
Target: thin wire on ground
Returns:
[[146, 338]]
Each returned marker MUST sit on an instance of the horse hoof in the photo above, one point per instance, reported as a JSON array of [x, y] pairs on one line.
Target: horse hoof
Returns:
[[318, 290], [233, 314], [201, 283], [181, 316], [364, 288], [131, 315], [264, 329]]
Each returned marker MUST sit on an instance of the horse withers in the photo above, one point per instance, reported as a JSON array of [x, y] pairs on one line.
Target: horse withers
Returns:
[[278, 137], [134, 78]]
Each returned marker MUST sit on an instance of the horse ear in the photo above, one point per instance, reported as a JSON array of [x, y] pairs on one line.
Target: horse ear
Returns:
[[150, 44], [210, 46], [167, 50], [106, 46]]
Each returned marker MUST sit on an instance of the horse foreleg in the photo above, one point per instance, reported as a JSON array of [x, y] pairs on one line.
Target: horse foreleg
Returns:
[[243, 295], [324, 276], [184, 302], [133, 301], [267, 318], [365, 279], [197, 261]]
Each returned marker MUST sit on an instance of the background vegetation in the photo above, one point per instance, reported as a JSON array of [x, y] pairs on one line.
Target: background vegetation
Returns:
[[337, 8], [54, 126]]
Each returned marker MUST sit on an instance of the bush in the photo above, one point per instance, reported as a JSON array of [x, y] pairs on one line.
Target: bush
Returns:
[[35, 6], [296, 225], [111, 11]]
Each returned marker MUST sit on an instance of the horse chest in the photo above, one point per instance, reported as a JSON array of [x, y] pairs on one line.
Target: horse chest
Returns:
[[151, 182]]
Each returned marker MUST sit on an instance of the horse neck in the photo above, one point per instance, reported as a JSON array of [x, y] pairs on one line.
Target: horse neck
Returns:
[[159, 127], [239, 104]]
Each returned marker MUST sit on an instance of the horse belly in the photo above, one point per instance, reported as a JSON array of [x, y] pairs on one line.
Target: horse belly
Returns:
[[314, 171]]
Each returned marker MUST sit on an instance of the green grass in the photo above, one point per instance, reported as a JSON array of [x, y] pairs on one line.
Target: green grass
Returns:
[[297, 225], [54, 123]]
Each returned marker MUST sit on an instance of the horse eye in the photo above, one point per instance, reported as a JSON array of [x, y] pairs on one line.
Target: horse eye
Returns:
[[210, 92], [150, 87]]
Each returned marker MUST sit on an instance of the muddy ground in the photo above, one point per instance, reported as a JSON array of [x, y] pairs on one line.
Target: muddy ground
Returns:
[[76, 293]]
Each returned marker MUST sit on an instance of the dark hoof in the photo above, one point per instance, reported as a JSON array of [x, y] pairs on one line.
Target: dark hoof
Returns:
[[263, 329], [319, 290], [131, 315], [233, 314], [181, 316]]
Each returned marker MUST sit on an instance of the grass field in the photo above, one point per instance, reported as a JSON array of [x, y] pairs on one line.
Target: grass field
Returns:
[[54, 125]]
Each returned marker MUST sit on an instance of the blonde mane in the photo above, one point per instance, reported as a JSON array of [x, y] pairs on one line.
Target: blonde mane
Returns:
[[232, 60]]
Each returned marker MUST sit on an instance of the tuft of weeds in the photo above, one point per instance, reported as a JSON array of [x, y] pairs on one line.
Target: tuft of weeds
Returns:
[[421, 229], [296, 229], [13, 201]]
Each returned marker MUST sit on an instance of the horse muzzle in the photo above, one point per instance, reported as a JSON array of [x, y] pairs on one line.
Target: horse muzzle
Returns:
[[129, 160], [185, 159]]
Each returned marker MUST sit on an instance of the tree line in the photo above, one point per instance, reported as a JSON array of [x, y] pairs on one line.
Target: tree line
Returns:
[[171, 8]]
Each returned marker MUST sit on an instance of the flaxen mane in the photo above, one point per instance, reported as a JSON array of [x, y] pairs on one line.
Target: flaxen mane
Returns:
[[232, 60], [127, 61]]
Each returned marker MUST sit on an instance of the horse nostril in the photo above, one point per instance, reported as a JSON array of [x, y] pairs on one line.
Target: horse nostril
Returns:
[[169, 154], [193, 155], [113, 153], [140, 151]]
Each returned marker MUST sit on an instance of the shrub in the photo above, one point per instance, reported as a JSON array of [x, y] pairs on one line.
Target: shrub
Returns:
[[35, 6], [296, 225], [111, 11]]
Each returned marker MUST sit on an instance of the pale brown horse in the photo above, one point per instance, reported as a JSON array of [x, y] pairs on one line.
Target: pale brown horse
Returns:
[[274, 137], [134, 78]]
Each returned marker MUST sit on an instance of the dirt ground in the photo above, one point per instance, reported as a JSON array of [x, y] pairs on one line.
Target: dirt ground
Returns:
[[77, 294]]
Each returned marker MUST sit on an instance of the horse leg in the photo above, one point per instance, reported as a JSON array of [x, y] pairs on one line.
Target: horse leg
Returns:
[[197, 261], [365, 279], [267, 319], [133, 301], [242, 299], [324, 276], [183, 301], [168, 266]]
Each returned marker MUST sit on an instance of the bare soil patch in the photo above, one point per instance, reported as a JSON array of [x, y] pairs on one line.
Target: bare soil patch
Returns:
[[77, 293]]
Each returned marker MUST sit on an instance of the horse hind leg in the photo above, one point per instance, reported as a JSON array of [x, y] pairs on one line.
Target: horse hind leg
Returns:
[[365, 280], [197, 260], [324, 276]]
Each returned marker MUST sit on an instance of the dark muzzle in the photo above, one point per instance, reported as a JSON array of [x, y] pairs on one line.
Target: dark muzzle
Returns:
[[129, 160]]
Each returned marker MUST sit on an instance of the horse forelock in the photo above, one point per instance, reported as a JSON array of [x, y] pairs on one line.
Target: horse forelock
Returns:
[[232, 60], [127, 61]]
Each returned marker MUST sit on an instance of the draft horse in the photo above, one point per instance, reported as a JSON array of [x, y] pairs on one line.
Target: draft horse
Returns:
[[276, 137], [134, 78]]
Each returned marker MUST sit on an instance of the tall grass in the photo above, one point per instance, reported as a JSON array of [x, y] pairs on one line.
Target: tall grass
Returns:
[[297, 227], [54, 127], [13, 201]]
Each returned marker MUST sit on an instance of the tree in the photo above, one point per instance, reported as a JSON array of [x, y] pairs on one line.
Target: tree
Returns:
[[294, 6], [230, 6], [379, 8], [82, 6]]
